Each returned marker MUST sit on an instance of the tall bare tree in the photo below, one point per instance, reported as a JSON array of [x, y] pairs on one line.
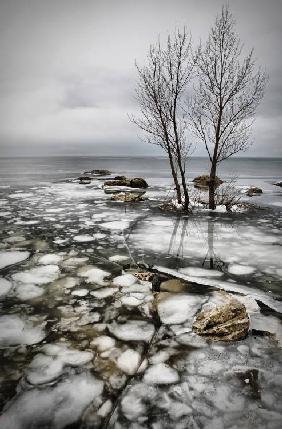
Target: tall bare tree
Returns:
[[228, 93], [162, 83]]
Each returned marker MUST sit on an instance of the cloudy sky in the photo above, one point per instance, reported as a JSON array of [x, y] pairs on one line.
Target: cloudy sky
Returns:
[[67, 72]]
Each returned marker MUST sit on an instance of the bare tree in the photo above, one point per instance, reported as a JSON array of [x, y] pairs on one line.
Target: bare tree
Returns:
[[228, 93], [162, 84]]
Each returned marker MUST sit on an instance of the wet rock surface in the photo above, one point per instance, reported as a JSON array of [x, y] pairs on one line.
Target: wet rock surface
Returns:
[[204, 180], [227, 322]]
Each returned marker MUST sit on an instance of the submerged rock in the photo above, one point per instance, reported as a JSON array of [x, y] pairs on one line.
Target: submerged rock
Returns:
[[253, 190], [173, 285], [203, 181], [227, 322]]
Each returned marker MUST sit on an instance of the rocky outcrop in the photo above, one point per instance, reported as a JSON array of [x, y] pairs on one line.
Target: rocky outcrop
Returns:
[[127, 197], [204, 180], [136, 182], [253, 190], [227, 322], [98, 172], [278, 184], [84, 180]]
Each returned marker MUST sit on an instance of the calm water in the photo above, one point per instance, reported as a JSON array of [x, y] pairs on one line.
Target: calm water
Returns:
[[30, 170]]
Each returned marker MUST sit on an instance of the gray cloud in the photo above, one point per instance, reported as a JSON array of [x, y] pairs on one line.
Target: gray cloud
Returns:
[[67, 76]]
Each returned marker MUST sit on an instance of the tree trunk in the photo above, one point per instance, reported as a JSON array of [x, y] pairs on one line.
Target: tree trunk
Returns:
[[184, 186], [212, 186], [175, 178]]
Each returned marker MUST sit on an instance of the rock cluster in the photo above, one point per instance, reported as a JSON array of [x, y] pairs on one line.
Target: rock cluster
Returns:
[[136, 182], [253, 190], [227, 322]]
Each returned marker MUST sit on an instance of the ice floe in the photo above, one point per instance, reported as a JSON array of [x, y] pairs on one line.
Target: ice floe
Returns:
[[14, 331], [83, 238], [178, 308], [12, 257], [239, 270], [50, 259], [94, 275], [55, 407], [125, 280], [5, 287], [161, 373], [133, 330], [49, 364], [129, 361], [38, 276], [103, 343]]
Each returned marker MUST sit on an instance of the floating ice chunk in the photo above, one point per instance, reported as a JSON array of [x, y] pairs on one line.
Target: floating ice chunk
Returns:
[[105, 409], [116, 225], [103, 343], [200, 272], [133, 330], [160, 357], [131, 301], [38, 276], [50, 258], [240, 270], [55, 407], [74, 261], [94, 275], [48, 366], [11, 258], [83, 238], [28, 291], [179, 308], [104, 293], [80, 292], [5, 287], [99, 236], [129, 361], [161, 374], [118, 258], [14, 330], [125, 280]]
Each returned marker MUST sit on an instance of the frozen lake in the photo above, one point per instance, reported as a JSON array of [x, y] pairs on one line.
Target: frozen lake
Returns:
[[80, 345]]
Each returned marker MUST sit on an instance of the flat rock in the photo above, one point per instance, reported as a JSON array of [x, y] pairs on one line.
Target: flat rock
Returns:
[[174, 286]]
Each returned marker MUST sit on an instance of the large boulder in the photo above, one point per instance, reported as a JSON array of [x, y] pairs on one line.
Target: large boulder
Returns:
[[278, 184], [253, 190], [203, 181], [138, 182], [227, 322]]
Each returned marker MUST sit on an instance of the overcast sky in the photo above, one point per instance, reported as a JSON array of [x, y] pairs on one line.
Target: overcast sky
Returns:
[[67, 73]]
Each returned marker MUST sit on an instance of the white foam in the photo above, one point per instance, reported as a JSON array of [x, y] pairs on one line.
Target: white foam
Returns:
[[12, 257], [161, 374]]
